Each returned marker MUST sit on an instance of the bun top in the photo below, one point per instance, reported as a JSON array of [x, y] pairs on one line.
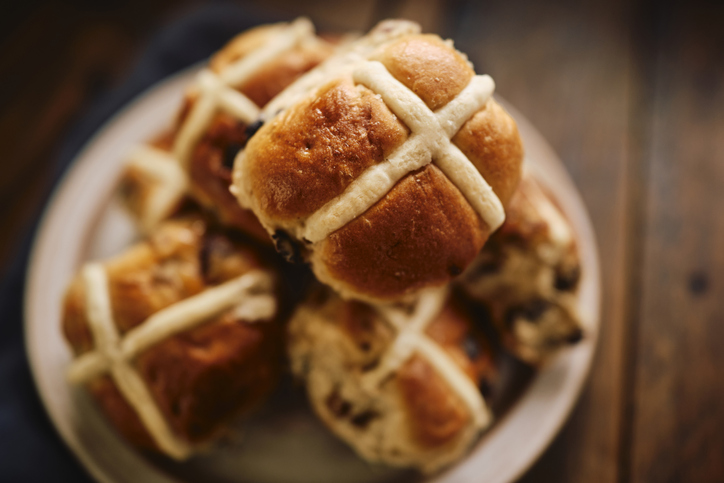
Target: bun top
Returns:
[[398, 131]]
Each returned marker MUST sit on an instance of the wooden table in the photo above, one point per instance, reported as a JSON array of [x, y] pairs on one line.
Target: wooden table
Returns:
[[630, 95]]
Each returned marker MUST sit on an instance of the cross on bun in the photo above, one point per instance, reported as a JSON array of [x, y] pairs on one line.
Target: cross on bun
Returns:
[[400, 384], [211, 159], [176, 335], [391, 172]]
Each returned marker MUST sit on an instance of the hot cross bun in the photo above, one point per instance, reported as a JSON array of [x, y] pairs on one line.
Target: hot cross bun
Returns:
[[402, 385], [390, 173], [176, 335]]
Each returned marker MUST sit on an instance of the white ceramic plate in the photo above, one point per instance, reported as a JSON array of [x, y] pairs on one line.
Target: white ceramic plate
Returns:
[[284, 443]]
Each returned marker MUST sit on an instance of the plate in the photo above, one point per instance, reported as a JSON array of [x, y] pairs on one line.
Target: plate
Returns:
[[284, 442]]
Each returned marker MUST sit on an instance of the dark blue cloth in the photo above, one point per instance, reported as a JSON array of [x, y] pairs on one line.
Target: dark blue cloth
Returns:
[[30, 449]]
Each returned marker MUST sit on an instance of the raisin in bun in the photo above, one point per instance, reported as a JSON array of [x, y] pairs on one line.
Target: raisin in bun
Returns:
[[391, 172], [176, 335], [400, 384], [527, 276], [217, 117]]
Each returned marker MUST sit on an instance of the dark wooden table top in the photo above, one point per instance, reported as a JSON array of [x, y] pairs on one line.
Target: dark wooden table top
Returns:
[[630, 95]]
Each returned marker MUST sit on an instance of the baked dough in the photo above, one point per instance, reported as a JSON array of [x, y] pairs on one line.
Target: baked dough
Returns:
[[527, 276], [176, 335], [400, 384], [387, 167]]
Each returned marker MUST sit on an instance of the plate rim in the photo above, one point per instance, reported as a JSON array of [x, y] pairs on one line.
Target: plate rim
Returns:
[[32, 270]]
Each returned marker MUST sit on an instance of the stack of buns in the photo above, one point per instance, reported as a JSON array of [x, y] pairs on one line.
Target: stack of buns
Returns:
[[384, 164]]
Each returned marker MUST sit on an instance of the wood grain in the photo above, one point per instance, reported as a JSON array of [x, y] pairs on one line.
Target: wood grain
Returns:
[[678, 389], [567, 69]]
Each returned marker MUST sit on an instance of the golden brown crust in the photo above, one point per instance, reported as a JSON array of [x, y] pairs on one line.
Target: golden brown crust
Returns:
[[164, 141], [429, 67], [199, 378], [210, 172], [276, 74], [151, 276], [314, 151], [396, 247], [296, 164], [413, 417], [436, 415], [271, 79], [455, 332], [75, 328], [120, 413], [213, 156], [211, 373], [491, 141]]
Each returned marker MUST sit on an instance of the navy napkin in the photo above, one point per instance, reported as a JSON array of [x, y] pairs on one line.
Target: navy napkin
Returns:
[[30, 448]]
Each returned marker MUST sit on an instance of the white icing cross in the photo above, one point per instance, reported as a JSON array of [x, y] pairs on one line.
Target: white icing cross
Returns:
[[216, 92], [347, 56], [412, 338], [429, 141], [170, 179], [113, 354], [214, 95]]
